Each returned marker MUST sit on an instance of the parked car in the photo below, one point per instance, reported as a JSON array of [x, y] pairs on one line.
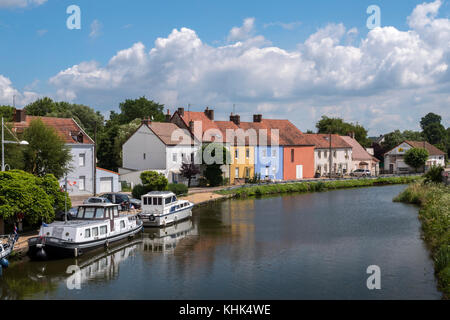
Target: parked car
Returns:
[[96, 200], [123, 199], [71, 214], [361, 173]]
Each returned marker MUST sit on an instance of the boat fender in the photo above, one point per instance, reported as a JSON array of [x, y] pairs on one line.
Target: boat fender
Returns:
[[151, 218], [107, 244], [4, 263], [40, 254]]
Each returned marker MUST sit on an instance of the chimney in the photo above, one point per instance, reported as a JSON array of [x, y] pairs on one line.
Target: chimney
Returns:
[[19, 115], [191, 126], [168, 116], [209, 113], [181, 111], [146, 121], [236, 119], [257, 117]]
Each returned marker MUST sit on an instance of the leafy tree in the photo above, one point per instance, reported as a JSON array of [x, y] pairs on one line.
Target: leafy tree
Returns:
[[429, 119], [40, 107], [34, 197], [212, 171], [416, 157], [188, 171], [435, 133], [7, 113], [108, 152], [392, 139], [140, 108], [434, 175], [154, 181], [412, 135], [46, 152], [338, 126]]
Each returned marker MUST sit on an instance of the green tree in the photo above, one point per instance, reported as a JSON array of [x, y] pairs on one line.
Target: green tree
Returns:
[[41, 107], [213, 156], [392, 139], [435, 134], [154, 181], [416, 157], [34, 197], [429, 119], [108, 151], [339, 126], [139, 109], [188, 171], [7, 113], [46, 152]]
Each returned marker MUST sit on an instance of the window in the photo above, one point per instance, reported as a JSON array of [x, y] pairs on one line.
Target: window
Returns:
[[80, 212], [264, 152], [145, 201], [82, 160], [100, 213], [87, 233], [325, 154], [144, 156], [292, 155], [247, 153], [236, 172], [95, 232], [319, 154], [334, 154], [192, 157], [168, 200], [174, 157], [325, 168], [156, 201], [274, 152], [89, 212], [115, 212], [236, 153], [247, 172], [159, 201], [107, 213], [122, 224], [81, 181], [103, 230]]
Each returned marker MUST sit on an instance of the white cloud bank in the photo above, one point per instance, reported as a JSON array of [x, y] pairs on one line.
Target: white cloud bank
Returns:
[[388, 81], [20, 3]]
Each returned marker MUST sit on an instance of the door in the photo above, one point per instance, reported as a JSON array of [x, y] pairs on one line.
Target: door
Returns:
[[106, 185], [299, 171], [391, 168]]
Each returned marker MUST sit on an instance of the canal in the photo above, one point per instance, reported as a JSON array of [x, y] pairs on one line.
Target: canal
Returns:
[[300, 246]]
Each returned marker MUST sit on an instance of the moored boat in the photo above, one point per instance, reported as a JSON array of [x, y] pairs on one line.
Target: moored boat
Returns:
[[162, 208], [96, 225]]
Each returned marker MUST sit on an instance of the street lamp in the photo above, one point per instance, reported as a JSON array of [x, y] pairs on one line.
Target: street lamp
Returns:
[[23, 142]]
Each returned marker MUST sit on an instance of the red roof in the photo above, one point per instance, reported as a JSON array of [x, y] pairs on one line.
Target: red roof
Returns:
[[322, 141], [66, 128], [165, 131], [358, 152], [107, 170], [199, 116], [432, 150]]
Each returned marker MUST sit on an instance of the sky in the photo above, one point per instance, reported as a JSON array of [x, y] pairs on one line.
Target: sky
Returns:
[[295, 60]]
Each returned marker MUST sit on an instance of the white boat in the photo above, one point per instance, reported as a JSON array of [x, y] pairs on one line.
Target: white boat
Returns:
[[6, 247], [161, 208], [96, 225]]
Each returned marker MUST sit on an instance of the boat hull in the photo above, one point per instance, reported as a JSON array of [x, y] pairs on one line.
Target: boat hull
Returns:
[[154, 220], [56, 249]]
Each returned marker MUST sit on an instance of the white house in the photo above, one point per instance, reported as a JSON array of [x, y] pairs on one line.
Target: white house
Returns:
[[394, 159], [341, 154], [362, 158], [158, 146]]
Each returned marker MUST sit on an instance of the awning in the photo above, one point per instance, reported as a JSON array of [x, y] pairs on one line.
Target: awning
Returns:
[[363, 163]]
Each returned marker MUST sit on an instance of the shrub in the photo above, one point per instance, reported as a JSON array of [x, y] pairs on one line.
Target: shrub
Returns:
[[178, 188], [434, 174], [139, 190], [202, 182], [154, 181]]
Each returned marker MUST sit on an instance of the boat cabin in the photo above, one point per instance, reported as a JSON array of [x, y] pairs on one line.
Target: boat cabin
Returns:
[[162, 201]]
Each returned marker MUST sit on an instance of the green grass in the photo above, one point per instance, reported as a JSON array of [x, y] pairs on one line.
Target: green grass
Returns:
[[315, 186], [434, 214]]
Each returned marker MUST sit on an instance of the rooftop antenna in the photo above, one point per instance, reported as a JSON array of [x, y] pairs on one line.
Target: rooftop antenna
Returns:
[[189, 107], [234, 108], [14, 101]]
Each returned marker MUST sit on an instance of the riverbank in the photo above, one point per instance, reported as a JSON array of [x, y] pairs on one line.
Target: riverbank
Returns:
[[434, 214], [315, 186]]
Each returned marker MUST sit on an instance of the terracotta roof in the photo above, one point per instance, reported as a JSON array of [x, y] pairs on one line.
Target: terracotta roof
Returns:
[[66, 128], [358, 152], [224, 126], [322, 141], [108, 170], [165, 131], [289, 135], [199, 116], [432, 150]]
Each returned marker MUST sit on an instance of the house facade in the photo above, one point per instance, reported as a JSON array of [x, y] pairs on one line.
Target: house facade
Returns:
[[394, 160], [159, 146], [80, 179], [331, 154], [361, 158]]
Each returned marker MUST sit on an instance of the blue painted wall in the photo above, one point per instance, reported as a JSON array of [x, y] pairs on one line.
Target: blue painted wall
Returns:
[[269, 159]]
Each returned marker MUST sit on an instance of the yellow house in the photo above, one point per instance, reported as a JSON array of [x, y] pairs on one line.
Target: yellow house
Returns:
[[242, 163]]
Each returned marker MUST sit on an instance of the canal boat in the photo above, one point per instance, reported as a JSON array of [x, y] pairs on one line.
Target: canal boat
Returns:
[[96, 225], [162, 208]]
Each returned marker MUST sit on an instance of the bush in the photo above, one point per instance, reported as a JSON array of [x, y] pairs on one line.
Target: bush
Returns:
[[139, 190], [178, 188], [154, 181], [125, 186], [434, 174], [202, 182]]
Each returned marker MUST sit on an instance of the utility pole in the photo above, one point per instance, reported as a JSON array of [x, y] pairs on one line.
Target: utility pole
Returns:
[[95, 159], [331, 158]]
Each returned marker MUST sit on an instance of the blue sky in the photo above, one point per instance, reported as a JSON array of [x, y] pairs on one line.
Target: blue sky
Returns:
[[37, 46]]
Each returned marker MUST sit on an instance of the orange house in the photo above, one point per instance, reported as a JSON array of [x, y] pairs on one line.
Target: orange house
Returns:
[[298, 162]]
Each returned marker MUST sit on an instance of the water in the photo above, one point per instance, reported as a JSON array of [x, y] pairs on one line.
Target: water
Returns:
[[307, 246]]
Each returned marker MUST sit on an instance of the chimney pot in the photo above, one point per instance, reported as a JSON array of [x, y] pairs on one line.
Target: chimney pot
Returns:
[[236, 119], [209, 113], [181, 111], [257, 117], [168, 116], [19, 115]]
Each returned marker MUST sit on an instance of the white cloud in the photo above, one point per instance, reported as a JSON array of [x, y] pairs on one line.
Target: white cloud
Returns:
[[20, 3], [8, 93], [244, 32], [388, 80], [96, 28], [284, 25]]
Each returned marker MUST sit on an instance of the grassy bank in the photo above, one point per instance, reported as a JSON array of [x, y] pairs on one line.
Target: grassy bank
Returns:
[[434, 214], [315, 186]]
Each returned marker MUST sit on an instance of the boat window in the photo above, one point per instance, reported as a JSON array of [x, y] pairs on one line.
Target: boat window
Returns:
[[103, 230], [174, 199], [87, 233], [145, 200], [80, 212], [156, 200], [95, 232], [100, 213], [107, 213], [159, 201], [168, 200], [122, 224], [89, 212], [116, 212]]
